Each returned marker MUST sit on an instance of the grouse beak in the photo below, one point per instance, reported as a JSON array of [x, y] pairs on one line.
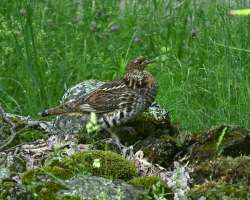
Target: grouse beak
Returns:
[[146, 62]]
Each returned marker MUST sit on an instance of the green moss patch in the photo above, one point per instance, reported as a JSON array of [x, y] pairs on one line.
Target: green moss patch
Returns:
[[31, 135], [146, 181], [42, 184], [70, 198], [45, 182], [99, 163], [218, 190], [9, 189], [226, 140], [153, 184], [232, 170]]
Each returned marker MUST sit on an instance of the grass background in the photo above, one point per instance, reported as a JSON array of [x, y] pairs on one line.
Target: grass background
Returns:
[[203, 67]]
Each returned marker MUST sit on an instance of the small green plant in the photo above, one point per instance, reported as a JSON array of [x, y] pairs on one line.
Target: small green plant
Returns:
[[241, 12], [158, 191], [92, 125], [220, 140]]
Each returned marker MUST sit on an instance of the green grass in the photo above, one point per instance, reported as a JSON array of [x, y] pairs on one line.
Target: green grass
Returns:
[[203, 70]]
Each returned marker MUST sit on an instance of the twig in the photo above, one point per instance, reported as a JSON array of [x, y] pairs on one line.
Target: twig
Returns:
[[5, 118], [12, 137], [12, 128]]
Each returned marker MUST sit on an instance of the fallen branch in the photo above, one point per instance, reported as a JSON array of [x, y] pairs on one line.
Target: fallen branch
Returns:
[[12, 129], [12, 137], [45, 126], [14, 121], [5, 118]]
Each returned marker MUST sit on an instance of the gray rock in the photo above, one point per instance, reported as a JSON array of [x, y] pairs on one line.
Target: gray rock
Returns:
[[90, 187]]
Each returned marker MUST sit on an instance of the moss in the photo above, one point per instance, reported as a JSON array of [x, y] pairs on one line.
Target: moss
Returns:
[[70, 198], [233, 170], [29, 176], [105, 145], [144, 125], [26, 136], [59, 172], [48, 191], [42, 184], [89, 138], [234, 141], [45, 182], [112, 165], [19, 164], [148, 182], [5, 187], [218, 190], [10, 189], [160, 151], [31, 135]]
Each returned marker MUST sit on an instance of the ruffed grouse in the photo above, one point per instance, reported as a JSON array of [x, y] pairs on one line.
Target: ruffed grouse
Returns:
[[117, 101]]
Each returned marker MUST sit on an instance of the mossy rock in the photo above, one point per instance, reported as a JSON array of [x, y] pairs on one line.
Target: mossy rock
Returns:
[[150, 183], [143, 125], [45, 186], [111, 165], [11, 165], [218, 190], [85, 137], [9, 189], [129, 133], [30, 136], [107, 145], [24, 137], [68, 197], [224, 140], [98, 188], [231, 170], [60, 172], [146, 181], [160, 151], [45, 182], [42, 184]]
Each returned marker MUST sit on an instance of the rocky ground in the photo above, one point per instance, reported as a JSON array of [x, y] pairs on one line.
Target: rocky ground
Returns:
[[152, 159]]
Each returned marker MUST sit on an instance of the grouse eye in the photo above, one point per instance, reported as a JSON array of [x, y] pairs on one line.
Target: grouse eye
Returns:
[[139, 60]]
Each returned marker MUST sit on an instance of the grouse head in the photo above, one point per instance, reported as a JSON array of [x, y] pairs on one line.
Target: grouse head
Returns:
[[138, 63], [135, 75]]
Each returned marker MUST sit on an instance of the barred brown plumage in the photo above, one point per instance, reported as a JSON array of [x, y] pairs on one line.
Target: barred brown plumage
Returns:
[[117, 101]]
